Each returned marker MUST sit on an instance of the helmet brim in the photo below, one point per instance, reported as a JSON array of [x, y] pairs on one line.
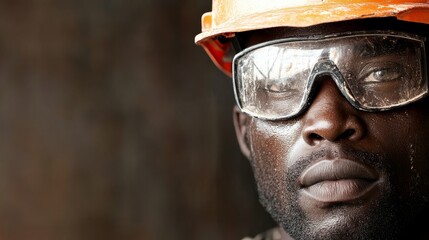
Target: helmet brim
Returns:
[[318, 14]]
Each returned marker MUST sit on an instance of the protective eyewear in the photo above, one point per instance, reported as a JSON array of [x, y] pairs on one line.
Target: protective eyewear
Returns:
[[375, 71]]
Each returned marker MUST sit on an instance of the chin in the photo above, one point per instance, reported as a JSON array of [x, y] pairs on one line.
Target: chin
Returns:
[[347, 226], [354, 224], [388, 219], [380, 219]]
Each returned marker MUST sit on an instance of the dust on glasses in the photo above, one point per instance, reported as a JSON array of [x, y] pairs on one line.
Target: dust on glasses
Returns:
[[375, 71]]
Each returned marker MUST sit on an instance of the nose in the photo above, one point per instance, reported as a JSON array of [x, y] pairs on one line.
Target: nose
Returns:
[[331, 117]]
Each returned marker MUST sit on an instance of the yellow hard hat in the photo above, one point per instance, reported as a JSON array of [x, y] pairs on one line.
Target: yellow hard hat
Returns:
[[231, 16]]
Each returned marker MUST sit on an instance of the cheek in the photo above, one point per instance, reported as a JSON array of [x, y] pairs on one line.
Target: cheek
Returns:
[[403, 136], [270, 144], [417, 133]]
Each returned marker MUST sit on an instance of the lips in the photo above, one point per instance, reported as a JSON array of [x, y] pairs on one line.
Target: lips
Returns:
[[337, 180]]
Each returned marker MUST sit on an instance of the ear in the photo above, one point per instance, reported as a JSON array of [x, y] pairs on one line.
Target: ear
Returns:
[[241, 125]]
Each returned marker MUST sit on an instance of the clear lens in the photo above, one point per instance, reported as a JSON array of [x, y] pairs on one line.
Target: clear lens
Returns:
[[379, 71], [273, 80]]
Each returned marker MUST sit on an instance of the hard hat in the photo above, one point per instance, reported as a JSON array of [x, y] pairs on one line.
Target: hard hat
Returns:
[[231, 16]]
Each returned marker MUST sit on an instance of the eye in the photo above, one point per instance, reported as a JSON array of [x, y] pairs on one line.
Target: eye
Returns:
[[282, 85], [383, 75], [281, 88], [386, 73], [276, 86]]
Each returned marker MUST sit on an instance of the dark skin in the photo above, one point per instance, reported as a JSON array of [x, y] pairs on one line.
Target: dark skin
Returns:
[[392, 146]]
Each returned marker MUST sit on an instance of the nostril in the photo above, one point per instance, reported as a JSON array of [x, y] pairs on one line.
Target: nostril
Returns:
[[315, 136], [347, 134], [329, 134]]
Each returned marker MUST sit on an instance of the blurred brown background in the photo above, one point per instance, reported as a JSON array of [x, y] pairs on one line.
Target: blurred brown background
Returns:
[[114, 125]]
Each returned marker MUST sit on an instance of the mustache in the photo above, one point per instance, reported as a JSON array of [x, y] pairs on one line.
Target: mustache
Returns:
[[375, 161]]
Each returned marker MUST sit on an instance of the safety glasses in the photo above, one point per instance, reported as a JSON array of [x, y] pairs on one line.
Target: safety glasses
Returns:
[[375, 71]]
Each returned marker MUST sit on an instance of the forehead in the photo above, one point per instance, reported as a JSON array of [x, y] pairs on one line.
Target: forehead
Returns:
[[251, 38]]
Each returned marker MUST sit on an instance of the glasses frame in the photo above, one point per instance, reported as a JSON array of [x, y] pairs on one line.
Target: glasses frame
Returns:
[[329, 68]]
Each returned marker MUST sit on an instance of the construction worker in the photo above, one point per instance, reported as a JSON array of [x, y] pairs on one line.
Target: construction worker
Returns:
[[332, 111]]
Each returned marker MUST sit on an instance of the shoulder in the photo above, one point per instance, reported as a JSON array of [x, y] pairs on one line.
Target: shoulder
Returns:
[[272, 234]]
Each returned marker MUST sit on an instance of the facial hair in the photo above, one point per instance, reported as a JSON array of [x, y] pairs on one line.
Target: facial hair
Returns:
[[388, 216]]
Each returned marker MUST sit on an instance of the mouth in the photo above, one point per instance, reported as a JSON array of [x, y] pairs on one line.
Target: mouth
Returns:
[[338, 180]]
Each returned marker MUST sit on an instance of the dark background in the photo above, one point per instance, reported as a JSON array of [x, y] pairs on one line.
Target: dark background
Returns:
[[114, 125]]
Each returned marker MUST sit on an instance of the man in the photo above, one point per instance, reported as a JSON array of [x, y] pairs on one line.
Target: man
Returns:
[[332, 112]]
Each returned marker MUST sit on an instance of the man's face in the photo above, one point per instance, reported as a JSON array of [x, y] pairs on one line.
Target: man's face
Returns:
[[335, 172]]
